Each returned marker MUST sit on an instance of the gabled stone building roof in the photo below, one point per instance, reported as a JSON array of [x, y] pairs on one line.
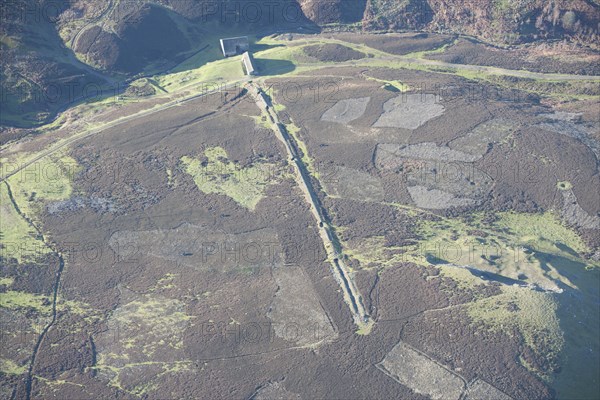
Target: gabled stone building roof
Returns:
[[248, 62], [235, 46]]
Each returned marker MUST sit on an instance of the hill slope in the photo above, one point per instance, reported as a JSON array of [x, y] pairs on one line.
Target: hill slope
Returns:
[[51, 54]]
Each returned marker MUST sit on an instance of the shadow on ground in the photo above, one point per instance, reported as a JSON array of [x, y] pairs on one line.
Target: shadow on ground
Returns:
[[273, 67]]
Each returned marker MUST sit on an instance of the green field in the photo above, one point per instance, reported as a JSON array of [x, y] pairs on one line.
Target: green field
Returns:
[[245, 185]]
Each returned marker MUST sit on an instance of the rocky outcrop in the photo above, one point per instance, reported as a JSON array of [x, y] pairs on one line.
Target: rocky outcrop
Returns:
[[501, 21], [518, 21]]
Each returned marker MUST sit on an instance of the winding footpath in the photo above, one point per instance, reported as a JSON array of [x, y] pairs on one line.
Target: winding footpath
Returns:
[[91, 22]]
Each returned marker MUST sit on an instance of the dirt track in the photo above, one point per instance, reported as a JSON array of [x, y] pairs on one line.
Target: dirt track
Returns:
[[442, 64], [110, 7]]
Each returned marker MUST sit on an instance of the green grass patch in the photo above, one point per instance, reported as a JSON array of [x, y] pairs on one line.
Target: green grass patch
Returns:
[[153, 322], [55, 383], [565, 185], [127, 369], [438, 50], [20, 240], [391, 85], [224, 70], [534, 248], [218, 175], [48, 179], [543, 231], [149, 330], [13, 300], [6, 281], [9, 367], [8, 41], [372, 252], [365, 329], [533, 314]]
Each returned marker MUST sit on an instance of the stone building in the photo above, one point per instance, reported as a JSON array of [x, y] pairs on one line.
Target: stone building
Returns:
[[248, 63], [235, 46]]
